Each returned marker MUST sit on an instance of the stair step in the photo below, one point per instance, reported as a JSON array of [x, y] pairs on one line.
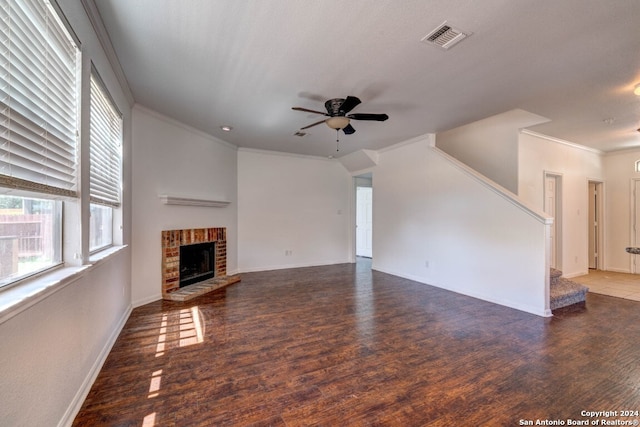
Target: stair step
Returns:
[[564, 292]]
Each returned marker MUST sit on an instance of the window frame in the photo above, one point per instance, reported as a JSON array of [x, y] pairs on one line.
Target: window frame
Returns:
[[106, 138], [56, 236], [22, 104]]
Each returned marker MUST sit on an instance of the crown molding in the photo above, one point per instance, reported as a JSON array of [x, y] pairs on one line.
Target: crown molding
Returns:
[[105, 41], [561, 141], [285, 154]]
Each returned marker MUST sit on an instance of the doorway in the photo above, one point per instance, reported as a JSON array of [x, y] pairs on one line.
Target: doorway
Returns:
[[595, 222], [364, 222], [553, 207], [635, 229]]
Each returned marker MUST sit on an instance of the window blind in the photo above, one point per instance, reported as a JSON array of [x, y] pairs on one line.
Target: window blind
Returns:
[[105, 147], [39, 89]]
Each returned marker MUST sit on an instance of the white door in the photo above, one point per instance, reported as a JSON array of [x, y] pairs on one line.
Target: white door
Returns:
[[550, 208], [364, 226], [593, 225], [635, 263]]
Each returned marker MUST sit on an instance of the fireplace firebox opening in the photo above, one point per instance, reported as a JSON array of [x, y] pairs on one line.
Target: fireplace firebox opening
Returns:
[[197, 263]]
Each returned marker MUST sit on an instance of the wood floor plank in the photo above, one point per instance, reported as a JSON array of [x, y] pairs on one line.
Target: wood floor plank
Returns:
[[342, 345]]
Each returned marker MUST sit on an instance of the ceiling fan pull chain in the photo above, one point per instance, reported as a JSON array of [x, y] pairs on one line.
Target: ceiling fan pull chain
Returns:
[[337, 139]]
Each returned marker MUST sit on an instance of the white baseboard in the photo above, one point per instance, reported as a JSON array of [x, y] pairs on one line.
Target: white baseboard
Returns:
[[619, 270], [82, 393], [146, 300], [544, 312], [285, 266], [575, 274]]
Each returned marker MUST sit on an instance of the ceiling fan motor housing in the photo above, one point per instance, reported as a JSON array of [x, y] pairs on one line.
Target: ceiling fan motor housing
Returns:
[[333, 107]]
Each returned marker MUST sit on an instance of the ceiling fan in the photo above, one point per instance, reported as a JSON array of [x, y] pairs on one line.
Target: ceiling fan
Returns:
[[337, 110]]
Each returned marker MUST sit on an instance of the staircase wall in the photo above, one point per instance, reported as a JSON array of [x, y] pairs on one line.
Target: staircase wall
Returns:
[[439, 222], [490, 145]]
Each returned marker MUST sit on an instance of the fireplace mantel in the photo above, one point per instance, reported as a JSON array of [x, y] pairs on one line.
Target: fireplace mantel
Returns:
[[188, 201]]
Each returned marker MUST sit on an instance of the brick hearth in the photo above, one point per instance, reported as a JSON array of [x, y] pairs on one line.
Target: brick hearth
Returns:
[[171, 242]]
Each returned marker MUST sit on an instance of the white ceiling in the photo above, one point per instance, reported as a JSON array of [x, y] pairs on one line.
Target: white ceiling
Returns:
[[209, 63]]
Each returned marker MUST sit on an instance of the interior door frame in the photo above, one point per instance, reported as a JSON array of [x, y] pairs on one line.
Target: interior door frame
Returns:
[[599, 219], [360, 188], [356, 182], [557, 220], [634, 267]]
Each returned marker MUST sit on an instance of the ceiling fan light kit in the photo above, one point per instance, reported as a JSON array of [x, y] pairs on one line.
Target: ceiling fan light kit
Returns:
[[337, 122]]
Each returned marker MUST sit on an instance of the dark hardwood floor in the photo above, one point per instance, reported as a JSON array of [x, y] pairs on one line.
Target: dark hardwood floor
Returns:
[[344, 346]]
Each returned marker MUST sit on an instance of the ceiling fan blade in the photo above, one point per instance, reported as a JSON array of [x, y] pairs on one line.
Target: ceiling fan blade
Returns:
[[367, 116], [349, 104], [348, 129], [309, 111], [313, 124]]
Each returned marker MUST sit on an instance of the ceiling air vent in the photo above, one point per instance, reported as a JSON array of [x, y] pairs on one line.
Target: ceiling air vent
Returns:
[[445, 36]]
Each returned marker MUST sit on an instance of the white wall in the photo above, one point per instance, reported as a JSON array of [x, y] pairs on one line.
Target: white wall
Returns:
[[429, 208], [171, 158], [54, 346], [490, 146], [51, 351], [576, 166], [619, 171], [292, 203]]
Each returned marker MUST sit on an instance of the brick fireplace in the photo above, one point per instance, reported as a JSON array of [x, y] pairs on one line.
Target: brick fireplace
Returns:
[[171, 242]]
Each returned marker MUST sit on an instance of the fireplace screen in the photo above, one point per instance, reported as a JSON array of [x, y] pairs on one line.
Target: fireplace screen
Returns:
[[197, 263]]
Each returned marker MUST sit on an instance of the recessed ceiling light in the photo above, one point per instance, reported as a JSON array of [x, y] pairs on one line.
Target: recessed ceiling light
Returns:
[[226, 128], [636, 90]]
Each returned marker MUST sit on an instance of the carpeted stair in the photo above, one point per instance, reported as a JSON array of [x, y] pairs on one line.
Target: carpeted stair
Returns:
[[564, 292]]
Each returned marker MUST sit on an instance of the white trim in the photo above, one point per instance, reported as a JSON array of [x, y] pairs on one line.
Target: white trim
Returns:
[[602, 232], [633, 268], [561, 141], [559, 214], [187, 201], [19, 297], [181, 125], [99, 256], [286, 266], [285, 154], [83, 391], [582, 273], [146, 300], [505, 303], [622, 151]]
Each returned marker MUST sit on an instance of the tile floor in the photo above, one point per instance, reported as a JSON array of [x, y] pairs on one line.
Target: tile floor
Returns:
[[621, 285]]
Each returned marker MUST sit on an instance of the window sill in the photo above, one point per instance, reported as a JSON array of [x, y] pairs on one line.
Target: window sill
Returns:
[[99, 256], [20, 297]]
